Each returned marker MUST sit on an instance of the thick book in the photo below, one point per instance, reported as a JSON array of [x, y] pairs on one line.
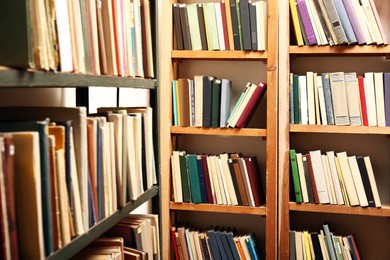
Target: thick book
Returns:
[[177, 27], [345, 21], [348, 179], [365, 180], [245, 25], [307, 25], [353, 97], [325, 22], [240, 182], [319, 176], [185, 26], [202, 26], [295, 176], [252, 104], [213, 246], [194, 26], [183, 101], [255, 181], [211, 26], [253, 25], [339, 98], [193, 175]]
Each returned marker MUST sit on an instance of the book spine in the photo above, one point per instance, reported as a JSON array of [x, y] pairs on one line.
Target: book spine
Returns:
[[386, 80], [234, 21], [354, 21], [202, 27], [363, 100], [335, 21], [295, 176], [308, 27]]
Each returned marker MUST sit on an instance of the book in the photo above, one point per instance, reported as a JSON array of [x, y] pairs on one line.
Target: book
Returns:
[[302, 179], [220, 28], [345, 21], [227, 25], [348, 179], [295, 176], [262, 24], [202, 26], [328, 98], [295, 22], [321, 100], [323, 16], [357, 180], [369, 91], [365, 180], [353, 97], [379, 98], [319, 176], [336, 22], [245, 25], [363, 104], [216, 103], [185, 26], [303, 102], [193, 177], [378, 22], [207, 100], [253, 25], [226, 94], [372, 22], [211, 26], [235, 23], [335, 178], [339, 98], [386, 81], [310, 98], [177, 27], [353, 18], [371, 178], [255, 181], [194, 27], [307, 25]]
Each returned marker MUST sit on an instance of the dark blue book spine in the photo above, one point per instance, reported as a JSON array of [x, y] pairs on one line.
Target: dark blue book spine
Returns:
[[202, 180]]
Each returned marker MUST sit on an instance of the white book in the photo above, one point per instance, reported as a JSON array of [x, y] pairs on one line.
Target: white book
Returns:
[[319, 176], [357, 180], [372, 22], [371, 177], [328, 177], [261, 24], [335, 177], [133, 174], [193, 23], [369, 91], [222, 182], [353, 97], [339, 98], [248, 94], [215, 183], [347, 177], [321, 101], [379, 98], [299, 245], [64, 37], [228, 178], [198, 83], [316, 99], [302, 179], [311, 110], [218, 18], [303, 100]]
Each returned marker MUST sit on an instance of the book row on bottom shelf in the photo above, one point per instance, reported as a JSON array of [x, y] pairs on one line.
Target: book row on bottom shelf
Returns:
[[205, 101], [333, 178], [224, 179], [322, 244], [340, 98], [63, 172], [212, 243]]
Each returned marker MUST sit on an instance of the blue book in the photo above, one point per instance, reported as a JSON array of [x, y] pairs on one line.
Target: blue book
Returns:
[[205, 248], [174, 102], [92, 219], [202, 179], [329, 243], [328, 98], [213, 245], [42, 128], [226, 94], [345, 21], [232, 244], [99, 182], [226, 246], [250, 243], [221, 248]]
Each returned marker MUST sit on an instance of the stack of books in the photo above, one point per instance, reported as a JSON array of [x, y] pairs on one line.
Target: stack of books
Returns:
[[322, 245], [340, 98], [216, 179], [336, 179], [336, 22], [73, 170], [205, 101], [213, 243], [89, 37], [225, 25]]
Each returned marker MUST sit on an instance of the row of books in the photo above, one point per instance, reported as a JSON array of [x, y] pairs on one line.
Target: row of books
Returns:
[[336, 22], [322, 245], [340, 98], [95, 37], [214, 243], [224, 25], [337, 179], [205, 101], [134, 237], [76, 173], [225, 179]]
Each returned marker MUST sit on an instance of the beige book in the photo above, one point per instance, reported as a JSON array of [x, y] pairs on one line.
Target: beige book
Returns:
[[319, 176], [198, 250], [214, 179], [369, 92], [134, 174], [311, 110], [316, 99], [52, 34], [119, 41], [124, 154], [101, 38], [357, 180], [28, 195], [328, 22], [360, 13], [353, 97], [261, 22], [176, 177], [129, 26], [138, 136], [342, 183], [198, 83], [321, 102], [299, 252], [348, 179], [244, 247], [3, 210], [79, 41], [43, 41], [379, 98], [228, 177], [328, 177], [94, 36], [64, 36], [75, 60], [339, 98], [110, 154], [371, 177], [105, 181], [221, 181], [372, 22], [109, 37], [302, 178], [335, 177], [154, 224], [191, 244], [324, 251], [139, 67]]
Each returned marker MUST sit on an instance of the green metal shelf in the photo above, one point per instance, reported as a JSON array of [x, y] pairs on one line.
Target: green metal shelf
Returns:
[[80, 242]]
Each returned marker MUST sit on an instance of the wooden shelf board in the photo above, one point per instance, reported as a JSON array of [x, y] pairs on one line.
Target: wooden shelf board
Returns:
[[340, 129], [341, 50], [31, 78], [221, 55], [384, 211], [80, 242], [218, 208], [218, 131]]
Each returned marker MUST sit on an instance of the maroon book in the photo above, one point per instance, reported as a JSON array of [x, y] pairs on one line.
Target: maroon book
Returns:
[[207, 177], [255, 181], [313, 183], [253, 102]]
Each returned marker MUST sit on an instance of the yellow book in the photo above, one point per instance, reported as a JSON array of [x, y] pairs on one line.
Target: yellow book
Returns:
[[295, 20], [307, 244]]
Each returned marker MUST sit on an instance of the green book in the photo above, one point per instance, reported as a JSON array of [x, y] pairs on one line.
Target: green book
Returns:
[[16, 43], [42, 128], [295, 176], [184, 177], [193, 176], [216, 103], [239, 23]]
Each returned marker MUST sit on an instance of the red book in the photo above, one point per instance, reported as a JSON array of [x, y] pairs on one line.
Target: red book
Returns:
[[313, 183], [253, 102], [363, 100], [174, 244], [207, 177], [224, 24], [255, 182]]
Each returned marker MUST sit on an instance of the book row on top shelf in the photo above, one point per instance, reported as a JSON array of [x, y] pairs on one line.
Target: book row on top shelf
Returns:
[[88, 37]]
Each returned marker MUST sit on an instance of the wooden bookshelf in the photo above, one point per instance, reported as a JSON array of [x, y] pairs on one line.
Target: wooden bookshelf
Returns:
[[220, 55], [218, 208], [177, 130], [381, 50], [335, 129]]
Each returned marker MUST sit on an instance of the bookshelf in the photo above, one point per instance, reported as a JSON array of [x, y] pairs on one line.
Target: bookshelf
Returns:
[[260, 138], [367, 224], [14, 84]]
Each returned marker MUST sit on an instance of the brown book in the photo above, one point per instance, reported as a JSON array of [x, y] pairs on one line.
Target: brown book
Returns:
[[202, 27], [177, 27], [109, 37], [147, 39], [255, 181], [225, 25], [183, 94], [313, 184], [134, 254], [102, 45], [185, 27], [240, 182]]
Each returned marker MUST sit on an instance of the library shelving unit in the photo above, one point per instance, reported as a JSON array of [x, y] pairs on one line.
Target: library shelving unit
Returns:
[[369, 225], [259, 139]]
